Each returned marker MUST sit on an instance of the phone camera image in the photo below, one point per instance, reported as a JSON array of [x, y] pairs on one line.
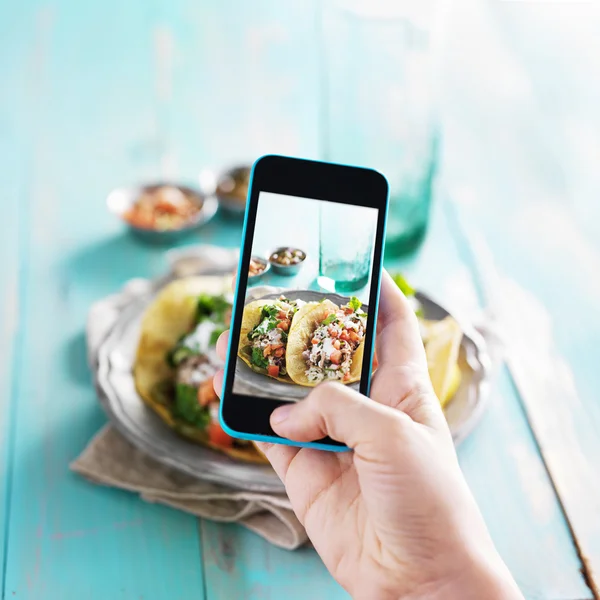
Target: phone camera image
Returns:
[[307, 321], [346, 238]]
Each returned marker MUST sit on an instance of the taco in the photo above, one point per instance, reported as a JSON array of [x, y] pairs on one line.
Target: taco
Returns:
[[176, 361], [266, 325], [327, 344]]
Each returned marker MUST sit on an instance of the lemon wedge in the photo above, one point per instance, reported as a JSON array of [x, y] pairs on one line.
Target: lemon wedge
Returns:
[[455, 381], [442, 345]]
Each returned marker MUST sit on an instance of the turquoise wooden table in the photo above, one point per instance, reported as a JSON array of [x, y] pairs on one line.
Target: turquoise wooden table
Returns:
[[98, 94]]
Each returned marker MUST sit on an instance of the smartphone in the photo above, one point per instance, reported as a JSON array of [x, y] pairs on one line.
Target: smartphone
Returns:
[[307, 290]]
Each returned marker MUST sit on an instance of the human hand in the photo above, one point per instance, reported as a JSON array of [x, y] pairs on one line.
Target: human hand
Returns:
[[394, 518]]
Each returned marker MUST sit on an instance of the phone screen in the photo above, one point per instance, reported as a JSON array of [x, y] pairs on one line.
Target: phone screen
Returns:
[[307, 289], [306, 307]]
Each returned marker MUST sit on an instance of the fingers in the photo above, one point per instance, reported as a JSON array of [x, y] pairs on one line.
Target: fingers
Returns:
[[398, 336], [339, 412], [402, 378], [407, 388], [222, 344], [279, 456], [218, 382]]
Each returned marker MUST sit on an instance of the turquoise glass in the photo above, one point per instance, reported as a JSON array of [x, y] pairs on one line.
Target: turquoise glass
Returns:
[[346, 242], [378, 107]]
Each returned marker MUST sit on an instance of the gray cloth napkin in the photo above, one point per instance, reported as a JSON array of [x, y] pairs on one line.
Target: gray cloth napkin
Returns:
[[111, 460]]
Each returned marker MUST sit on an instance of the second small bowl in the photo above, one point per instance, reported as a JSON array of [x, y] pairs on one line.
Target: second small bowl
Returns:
[[258, 261], [290, 269]]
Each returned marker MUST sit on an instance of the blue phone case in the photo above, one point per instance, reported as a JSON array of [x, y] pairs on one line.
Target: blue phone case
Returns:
[[274, 439]]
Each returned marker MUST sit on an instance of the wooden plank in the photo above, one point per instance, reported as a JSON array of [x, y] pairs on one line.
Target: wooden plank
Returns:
[[500, 459], [500, 453], [79, 103], [239, 564], [562, 422], [10, 284], [12, 184], [521, 164], [239, 80]]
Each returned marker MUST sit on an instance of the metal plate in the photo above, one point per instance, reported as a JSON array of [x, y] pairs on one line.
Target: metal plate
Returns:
[[145, 430], [466, 407]]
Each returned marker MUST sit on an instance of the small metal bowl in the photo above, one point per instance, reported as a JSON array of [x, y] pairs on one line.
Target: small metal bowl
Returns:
[[120, 200], [287, 270], [232, 189], [264, 261]]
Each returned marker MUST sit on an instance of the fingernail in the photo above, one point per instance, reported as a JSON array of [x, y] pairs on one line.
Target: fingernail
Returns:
[[281, 414]]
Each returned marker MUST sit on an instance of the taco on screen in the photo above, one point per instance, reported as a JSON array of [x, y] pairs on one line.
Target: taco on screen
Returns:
[[265, 331], [327, 344]]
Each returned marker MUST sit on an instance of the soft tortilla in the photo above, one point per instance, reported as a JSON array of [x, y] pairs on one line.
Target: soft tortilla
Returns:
[[251, 318], [300, 338], [170, 316]]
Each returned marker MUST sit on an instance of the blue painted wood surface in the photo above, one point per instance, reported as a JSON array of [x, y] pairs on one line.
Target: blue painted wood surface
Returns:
[[99, 94], [524, 180]]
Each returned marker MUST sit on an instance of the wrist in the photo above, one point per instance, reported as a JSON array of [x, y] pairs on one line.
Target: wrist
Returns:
[[482, 577]]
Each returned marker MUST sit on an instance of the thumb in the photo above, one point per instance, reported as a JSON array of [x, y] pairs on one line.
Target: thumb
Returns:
[[398, 335], [402, 378], [334, 410]]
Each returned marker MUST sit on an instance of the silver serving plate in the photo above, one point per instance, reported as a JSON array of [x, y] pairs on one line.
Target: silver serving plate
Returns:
[[465, 409], [139, 424]]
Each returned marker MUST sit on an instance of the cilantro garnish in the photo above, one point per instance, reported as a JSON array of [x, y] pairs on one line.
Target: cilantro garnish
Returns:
[[354, 303], [258, 359], [330, 319], [211, 307], [269, 311], [404, 286], [188, 408], [408, 291]]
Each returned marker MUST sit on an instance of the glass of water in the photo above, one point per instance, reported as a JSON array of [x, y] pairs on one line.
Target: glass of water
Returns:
[[378, 103], [346, 239]]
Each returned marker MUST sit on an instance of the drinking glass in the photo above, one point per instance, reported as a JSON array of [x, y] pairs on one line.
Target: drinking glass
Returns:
[[378, 103], [346, 238]]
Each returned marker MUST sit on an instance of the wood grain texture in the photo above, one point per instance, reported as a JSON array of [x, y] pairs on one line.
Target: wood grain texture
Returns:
[[99, 94], [11, 291], [66, 539], [522, 522], [239, 564], [235, 80], [546, 385], [530, 192], [500, 459], [13, 184]]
